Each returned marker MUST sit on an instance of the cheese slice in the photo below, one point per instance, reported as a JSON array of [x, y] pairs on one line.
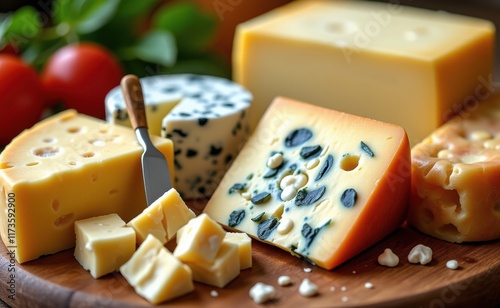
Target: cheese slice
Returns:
[[206, 118], [67, 168], [455, 177], [163, 218], [397, 64], [103, 244], [156, 274], [321, 184]]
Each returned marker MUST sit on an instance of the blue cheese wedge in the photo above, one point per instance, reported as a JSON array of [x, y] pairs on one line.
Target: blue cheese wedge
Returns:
[[321, 184], [205, 117]]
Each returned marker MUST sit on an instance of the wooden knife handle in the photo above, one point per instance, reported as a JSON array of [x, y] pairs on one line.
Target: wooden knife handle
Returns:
[[134, 99]]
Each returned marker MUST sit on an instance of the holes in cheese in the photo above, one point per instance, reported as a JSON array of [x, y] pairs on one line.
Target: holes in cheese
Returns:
[[323, 212], [455, 178], [56, 176]]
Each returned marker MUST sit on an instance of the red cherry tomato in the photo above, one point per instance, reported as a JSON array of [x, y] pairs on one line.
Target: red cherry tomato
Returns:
[[80, 75], [21, 97]]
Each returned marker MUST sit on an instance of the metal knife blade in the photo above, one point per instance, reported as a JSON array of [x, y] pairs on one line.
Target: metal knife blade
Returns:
[[155, 172]]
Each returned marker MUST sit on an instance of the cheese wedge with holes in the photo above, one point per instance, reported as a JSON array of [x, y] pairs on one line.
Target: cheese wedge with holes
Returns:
[[67, 168], [321, 184], [456, 177], [366, 58]]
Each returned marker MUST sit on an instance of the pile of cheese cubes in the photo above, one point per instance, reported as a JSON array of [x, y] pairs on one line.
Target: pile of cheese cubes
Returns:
[[205, 252]]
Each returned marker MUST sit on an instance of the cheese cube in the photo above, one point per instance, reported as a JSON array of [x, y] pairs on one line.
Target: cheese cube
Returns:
[[103, 244], [162, 218], [402, 65], [321, 184], [222, 270], [67, 168], [456, 177], [200, 240], [206, 118], [244, 243], [156, 274]]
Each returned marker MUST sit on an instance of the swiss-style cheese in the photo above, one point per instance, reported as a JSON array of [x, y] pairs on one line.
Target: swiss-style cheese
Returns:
[[456, 177], [67, 168], [321, 184], [394, 63]]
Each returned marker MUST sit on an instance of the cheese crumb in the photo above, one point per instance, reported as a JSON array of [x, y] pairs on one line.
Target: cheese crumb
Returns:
[[261, 292], [343, 288], [420, 254], [388, 258], [307, 269], [345, 299], [368, 285], [284, 281], [214, 293], [452, 264], [307, 288]]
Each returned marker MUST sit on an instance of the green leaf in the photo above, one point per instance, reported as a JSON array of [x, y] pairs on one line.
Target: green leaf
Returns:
[[128, 10], [85, 15], [20, 27], [157, 47], [93, 14], [192, 28]]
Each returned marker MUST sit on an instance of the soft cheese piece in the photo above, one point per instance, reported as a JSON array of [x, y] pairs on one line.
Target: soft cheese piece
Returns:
[[67, 168], [199, 240], [219, 272], [103, 244], [384, 61], [244, 243], [456, 177], [321, 184], [206, 118], [162, 218], [156, 274]]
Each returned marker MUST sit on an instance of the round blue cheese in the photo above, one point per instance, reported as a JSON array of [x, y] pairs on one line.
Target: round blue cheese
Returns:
[[205, 117]]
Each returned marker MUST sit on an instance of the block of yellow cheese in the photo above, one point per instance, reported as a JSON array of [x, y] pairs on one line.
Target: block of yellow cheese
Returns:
[[321, 184], [103, 244], [244, 243], [162, 218], [156, 274], [201, 238], [67, 168], [385, 61], [219, 272], [456, 177]]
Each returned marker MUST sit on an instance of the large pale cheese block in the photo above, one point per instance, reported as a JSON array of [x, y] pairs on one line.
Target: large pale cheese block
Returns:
[[163, 218], [67, 168], [321, 184], [156, 274], [398, 64], [103, 244], [456, 177], [206, 118]]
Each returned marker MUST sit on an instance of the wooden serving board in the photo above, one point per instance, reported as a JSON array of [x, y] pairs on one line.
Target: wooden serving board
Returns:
[[59, 281]]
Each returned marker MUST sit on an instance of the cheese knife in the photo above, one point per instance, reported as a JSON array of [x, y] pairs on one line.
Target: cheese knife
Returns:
[[155, 171]]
